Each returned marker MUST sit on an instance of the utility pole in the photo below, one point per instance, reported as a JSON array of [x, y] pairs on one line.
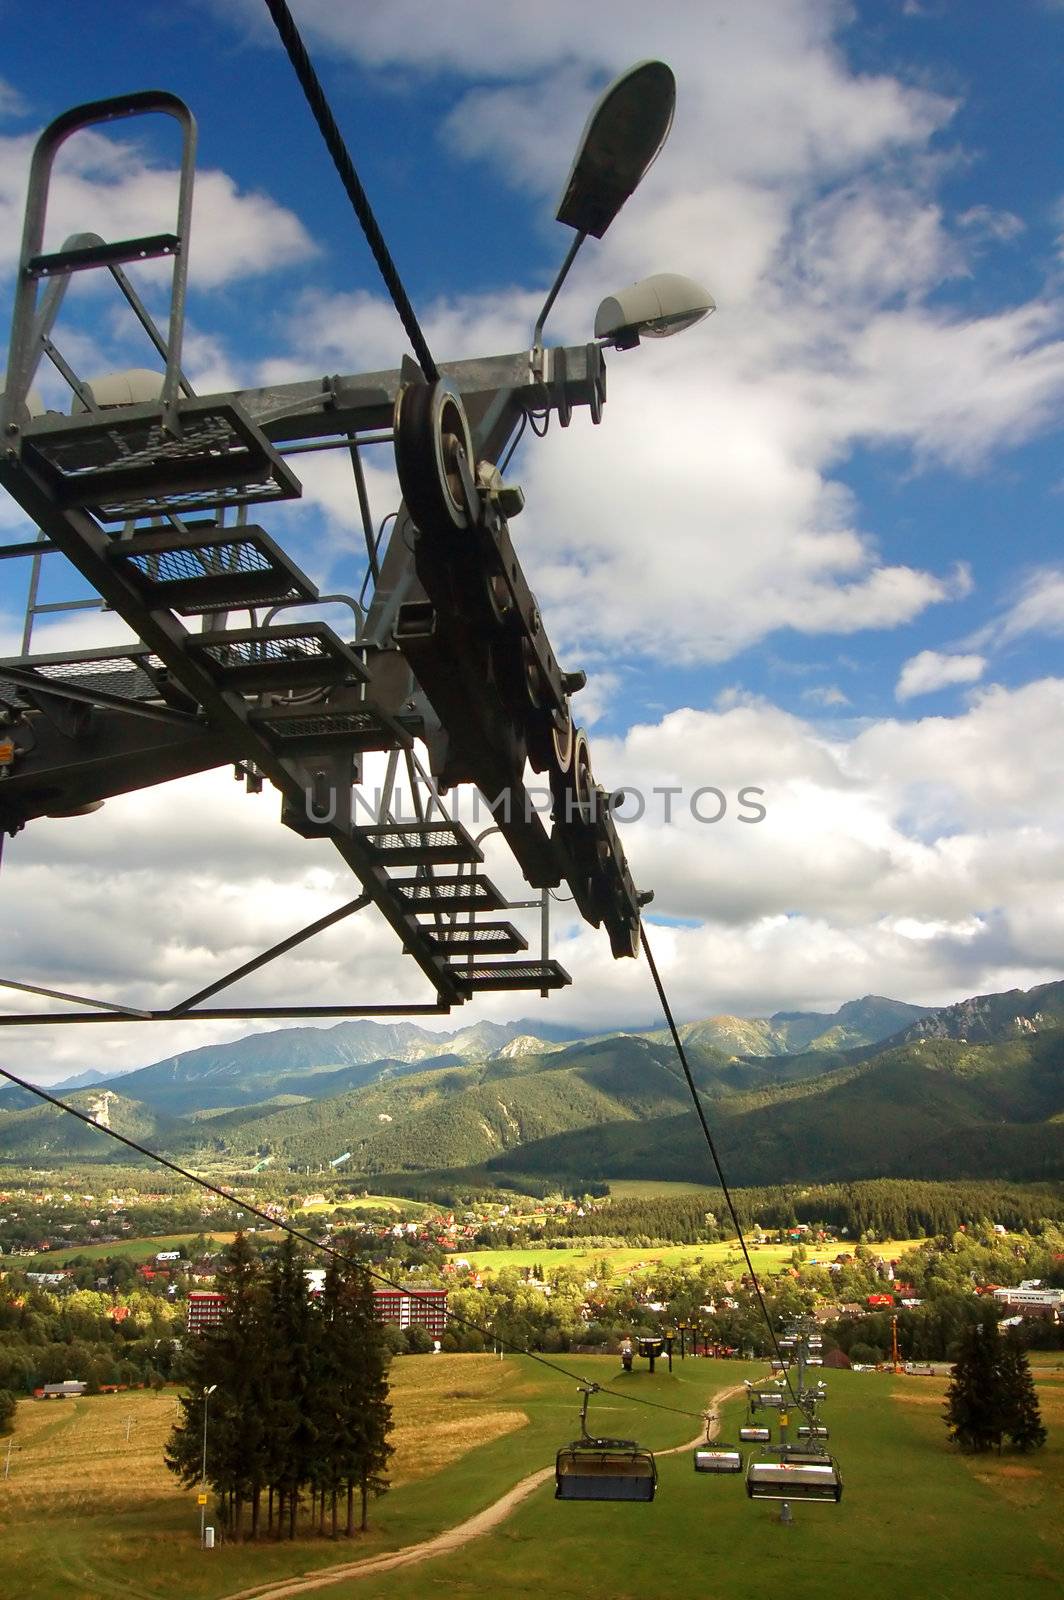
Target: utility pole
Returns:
[[203, 1475], [894, 1342], [129, 1425], [7, 1458]]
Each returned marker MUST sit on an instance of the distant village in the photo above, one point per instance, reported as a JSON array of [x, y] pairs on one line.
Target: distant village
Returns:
[[438, 1261]]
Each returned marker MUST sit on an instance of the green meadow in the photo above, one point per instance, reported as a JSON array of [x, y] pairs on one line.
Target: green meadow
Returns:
[[138, 1250], [632, 1258], [88, 1514]]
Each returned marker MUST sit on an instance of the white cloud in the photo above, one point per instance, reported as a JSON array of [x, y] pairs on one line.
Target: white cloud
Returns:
[[987, 223], [12, 103], [1039, 607], [828, 695], [931, 670], [921, 859], [111, 188]]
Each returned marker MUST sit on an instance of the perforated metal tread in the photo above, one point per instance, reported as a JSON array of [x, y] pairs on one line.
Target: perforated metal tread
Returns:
[[211, 569], [297, 655], [122, 462], [314, 727], [467, 893], [482, 938], [132, 674], [417, 843], [512, 975]]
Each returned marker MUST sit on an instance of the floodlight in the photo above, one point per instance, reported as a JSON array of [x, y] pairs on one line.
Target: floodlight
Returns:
[[653, 308], [628, 125], [131, 387]]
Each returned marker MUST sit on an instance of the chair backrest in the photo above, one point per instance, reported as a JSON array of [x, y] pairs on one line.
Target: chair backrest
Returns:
[[710, 1459], [621, 1472], [794, 1480]]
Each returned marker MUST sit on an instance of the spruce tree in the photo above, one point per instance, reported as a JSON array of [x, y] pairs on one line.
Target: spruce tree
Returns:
[[359, 1358], [288, 1336], [973, 1410], [1022, 1415], [226, 1359]]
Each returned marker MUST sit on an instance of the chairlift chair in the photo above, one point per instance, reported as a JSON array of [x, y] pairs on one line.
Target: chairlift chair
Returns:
[[717, 1458], [755, 1435], [603, 1469], [795, 1475]]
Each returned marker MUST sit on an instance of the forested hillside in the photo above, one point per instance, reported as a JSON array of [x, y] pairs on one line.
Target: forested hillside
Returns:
[[931, 1102]]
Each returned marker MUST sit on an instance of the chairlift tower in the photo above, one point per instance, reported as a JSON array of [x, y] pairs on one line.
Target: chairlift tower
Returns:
[[161, 499]]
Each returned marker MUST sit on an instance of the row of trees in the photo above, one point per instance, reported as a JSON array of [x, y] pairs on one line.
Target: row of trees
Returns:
[[296, 1386], [991, 1396], [46, 1337], [900, 1208]]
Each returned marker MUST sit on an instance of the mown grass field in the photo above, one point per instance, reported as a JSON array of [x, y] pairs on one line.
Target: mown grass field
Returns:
[[133, 1249], [382, 1202], [630, 1258], [86, 1516]]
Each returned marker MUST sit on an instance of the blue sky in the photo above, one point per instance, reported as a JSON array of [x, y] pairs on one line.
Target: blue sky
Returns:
[[813, 547]]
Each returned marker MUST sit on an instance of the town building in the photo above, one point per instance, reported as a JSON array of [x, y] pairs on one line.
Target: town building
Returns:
[[205, 1308], [426, 1309], [1031, 1300]]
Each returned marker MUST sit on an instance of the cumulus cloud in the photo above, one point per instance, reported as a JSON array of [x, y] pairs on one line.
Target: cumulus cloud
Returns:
[[921, 859], [931, 670], [115, 189]]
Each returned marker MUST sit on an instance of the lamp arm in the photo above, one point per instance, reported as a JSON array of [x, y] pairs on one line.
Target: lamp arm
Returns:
[[563, 273]]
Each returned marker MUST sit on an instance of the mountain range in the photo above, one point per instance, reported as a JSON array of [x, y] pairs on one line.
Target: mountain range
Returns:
[[879, 1088]]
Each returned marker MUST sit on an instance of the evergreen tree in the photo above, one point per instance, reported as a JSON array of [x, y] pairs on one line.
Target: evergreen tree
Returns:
[[973, 1410], [1022, 1415], [289, 1335], [225, 1360], [362, 1352]]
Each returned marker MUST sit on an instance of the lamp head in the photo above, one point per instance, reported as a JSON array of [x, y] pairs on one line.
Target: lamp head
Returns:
[[653, 308], [627, 127]]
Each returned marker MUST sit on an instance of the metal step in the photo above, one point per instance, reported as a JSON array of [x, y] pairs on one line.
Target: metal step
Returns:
[[208, 568], [418, 844], [478, 939], [297, 655], [133, 674], [471, 892], [60, 263], [290, 728], [512, 975], [123, 462]]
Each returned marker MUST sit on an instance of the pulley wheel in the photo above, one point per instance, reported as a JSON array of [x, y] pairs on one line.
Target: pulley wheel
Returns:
[[430, 428], [561, 739]]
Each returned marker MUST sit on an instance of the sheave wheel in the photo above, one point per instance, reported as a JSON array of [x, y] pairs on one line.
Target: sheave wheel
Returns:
[[430, 428]]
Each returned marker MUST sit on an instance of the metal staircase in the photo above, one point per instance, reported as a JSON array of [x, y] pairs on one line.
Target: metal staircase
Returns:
[[147, 498]]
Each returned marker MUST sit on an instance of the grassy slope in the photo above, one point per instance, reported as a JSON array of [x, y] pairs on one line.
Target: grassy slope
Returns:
[[90, 1517], [916, 1519]]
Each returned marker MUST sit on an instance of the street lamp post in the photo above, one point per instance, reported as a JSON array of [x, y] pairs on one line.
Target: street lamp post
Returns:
[[203, 1475]]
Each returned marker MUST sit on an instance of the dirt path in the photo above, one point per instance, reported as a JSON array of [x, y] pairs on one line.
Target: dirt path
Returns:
[[452, 1538]]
